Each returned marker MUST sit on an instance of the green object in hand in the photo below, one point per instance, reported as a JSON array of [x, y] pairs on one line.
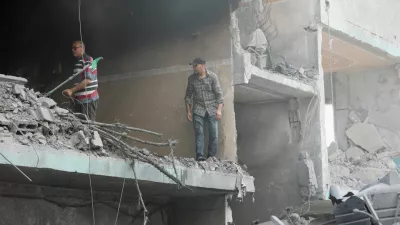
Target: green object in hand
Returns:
[[93, 66]]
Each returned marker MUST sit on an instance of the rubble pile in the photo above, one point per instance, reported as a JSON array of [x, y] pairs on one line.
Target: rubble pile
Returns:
[[366, 160], [308, 76], [28, 118]]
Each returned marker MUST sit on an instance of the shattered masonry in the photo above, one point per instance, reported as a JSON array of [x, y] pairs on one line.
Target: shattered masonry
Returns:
[[366, 160], [27, 118]]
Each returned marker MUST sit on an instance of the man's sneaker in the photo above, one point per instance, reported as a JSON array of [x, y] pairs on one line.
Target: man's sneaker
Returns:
[[201, 158]]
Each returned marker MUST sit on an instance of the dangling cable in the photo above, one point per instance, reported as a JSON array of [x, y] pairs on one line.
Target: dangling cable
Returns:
[[87, 111]]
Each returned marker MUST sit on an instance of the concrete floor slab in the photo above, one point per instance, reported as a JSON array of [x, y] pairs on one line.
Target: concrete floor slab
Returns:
[[68, 168], [266, 86]]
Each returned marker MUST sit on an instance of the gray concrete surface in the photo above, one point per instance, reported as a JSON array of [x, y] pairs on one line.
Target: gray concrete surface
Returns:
[[264, 145], [74, 163], [378, 30], [206, 210]]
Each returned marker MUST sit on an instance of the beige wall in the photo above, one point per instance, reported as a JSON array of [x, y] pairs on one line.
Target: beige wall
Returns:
[[156, 103]]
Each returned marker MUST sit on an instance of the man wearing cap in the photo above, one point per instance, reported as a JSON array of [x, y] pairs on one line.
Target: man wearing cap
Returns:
[[204, 102]]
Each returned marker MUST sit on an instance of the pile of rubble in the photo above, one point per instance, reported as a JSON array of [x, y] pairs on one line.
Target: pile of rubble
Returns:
[[366, 160], [28, 118]]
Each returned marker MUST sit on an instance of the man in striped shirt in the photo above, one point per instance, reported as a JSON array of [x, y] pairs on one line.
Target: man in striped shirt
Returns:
[[85, 92]]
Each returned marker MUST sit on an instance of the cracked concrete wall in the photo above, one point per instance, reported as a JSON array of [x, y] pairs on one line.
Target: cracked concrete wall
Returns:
[[270, 150], [379, 29], [293, 43], [373, 95]]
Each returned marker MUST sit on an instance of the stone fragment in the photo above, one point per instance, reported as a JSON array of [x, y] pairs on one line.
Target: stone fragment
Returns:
[[307, 178], [47, 102], [80, 141], [340, 170], [24, 140], [354, 118], [15, 111], [365, 136], [332, 148], [40, 138], [61, 112], [33, 113], [3, 120], [96, 141], [18, 89], [45, 114], [354, 152]]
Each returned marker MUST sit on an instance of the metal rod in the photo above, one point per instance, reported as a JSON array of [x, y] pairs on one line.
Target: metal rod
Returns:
[[16, 167], [66, 81]]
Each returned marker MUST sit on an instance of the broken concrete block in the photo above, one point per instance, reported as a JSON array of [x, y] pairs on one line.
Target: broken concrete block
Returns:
[[354, 118], [17, 89], [332, 148], [3, 120], [61, 111], [96, 141], [40, 138], [80, 141], [366, 136], [23, 126], [305, 171], [47, 102], [353, 152], [45, 114], [33, 113]]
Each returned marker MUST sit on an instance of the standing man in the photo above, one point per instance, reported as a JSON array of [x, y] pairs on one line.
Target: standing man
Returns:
[[85, 92], [204, 102]]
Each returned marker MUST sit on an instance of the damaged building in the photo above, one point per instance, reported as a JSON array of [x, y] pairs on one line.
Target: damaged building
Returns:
[[279, 63]]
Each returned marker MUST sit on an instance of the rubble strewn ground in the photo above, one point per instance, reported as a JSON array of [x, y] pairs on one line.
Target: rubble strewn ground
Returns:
[[27, 118], [365, 161]]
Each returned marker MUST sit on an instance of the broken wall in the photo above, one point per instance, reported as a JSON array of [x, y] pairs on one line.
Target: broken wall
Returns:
[[291, 32], [367, 127], [146, 88], [269, 144]]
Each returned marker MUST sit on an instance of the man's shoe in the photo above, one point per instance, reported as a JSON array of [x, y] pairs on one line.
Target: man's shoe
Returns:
[[201, 158]]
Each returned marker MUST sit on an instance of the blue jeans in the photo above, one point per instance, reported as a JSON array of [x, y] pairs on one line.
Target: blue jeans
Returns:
[[198, 123]]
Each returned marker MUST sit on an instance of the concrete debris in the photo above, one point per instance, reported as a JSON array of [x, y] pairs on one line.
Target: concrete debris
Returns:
[[4, 121], [354, 118], [47, 102], [354, 152], [306, 75], [80, 141], [295, 219], [258, 41], [366, 136], [306, 176], [38, 121], [45, 114], [61, 112], [96, 141]]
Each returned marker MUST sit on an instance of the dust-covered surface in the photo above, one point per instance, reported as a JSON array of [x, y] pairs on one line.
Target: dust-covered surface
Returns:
[[28, 118], [366, 161]]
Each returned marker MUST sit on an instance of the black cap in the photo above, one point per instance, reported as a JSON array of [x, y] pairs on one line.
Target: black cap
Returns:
[[197, 61]]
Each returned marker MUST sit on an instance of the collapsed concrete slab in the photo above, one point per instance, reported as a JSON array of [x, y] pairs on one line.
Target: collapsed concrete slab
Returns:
[[366, 136], [72, 164]]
